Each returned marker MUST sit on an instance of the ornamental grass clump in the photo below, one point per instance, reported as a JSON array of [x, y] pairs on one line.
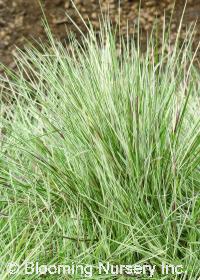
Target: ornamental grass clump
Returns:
[[100, 156]]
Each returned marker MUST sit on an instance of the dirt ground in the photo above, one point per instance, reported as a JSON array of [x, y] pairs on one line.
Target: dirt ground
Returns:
[[21, 19]]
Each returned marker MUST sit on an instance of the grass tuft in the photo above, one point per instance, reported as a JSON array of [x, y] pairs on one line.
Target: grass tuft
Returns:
[[100, 156]]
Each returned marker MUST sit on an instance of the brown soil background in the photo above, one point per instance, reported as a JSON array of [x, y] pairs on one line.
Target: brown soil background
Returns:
[[21, 19]]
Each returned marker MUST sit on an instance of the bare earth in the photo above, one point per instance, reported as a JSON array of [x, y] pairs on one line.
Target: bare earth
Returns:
[[21, 19]]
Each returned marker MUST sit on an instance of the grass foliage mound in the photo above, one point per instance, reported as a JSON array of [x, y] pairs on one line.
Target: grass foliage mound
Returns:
[[100, 157]]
